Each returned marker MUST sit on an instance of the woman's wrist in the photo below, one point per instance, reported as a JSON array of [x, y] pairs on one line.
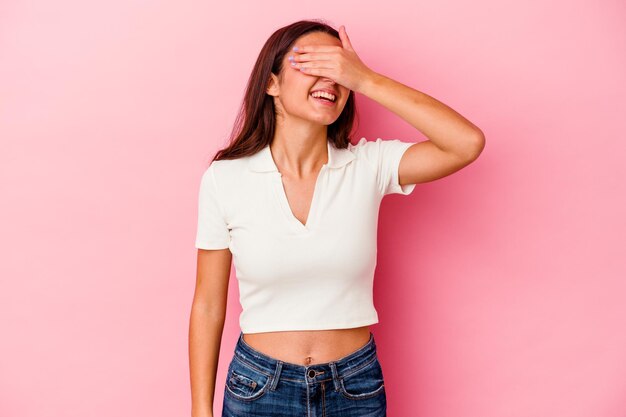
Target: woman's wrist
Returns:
[[368, 83]]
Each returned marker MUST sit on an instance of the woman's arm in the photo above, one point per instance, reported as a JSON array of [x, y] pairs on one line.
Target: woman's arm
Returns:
[[206, 325], [454, 141]]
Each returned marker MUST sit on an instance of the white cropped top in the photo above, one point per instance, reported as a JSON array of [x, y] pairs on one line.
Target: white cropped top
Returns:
[[294, 276]]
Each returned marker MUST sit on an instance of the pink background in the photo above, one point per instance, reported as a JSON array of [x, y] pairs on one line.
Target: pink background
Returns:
[[500, 288]]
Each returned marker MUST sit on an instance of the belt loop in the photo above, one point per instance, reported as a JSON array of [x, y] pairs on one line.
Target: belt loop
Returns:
[[279, 367], [333, 368]]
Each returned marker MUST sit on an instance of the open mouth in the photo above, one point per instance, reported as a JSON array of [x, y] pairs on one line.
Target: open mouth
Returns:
[[323, 97]]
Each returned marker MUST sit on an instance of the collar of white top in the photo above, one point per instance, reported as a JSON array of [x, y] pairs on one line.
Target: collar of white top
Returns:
[[262, 161]]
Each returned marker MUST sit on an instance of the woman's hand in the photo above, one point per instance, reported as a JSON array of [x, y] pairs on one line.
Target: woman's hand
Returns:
[[339, 63]]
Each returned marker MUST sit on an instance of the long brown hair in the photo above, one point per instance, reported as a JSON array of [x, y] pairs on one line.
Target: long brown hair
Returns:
[[256, 121]]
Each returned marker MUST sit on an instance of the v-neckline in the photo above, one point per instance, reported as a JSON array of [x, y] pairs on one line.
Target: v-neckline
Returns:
[[281, 194], [284, 201]]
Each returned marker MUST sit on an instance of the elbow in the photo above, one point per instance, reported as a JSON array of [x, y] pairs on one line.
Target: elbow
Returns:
[[472, 147], [477, 144]]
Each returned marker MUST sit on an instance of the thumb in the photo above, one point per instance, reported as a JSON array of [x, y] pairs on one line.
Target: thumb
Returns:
[[343, 36]]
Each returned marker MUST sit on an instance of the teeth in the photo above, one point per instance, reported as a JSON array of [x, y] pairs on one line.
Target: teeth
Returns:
[[323, 94]]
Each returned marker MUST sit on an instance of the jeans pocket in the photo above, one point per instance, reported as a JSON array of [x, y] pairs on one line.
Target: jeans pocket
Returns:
[[364, 382], [246, 382]]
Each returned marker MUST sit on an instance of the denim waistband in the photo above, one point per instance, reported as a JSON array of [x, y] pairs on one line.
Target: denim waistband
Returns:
[[311, 373]]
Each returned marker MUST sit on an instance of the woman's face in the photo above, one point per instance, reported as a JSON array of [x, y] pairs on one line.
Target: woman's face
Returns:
[[292, 97]]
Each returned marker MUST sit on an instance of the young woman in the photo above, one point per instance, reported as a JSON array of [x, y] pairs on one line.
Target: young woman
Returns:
[[294, 204]]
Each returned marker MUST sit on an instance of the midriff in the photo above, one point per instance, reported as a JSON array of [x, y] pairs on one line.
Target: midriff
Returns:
[[309, 347]]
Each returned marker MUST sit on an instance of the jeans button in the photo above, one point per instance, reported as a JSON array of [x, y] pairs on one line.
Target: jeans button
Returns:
[[311, 373]]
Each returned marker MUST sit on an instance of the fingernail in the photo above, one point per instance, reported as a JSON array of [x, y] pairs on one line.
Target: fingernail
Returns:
[[295, 48], [291, 57]]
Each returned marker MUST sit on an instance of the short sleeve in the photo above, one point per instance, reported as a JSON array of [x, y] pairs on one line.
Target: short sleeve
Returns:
[[212, 231], [385, 156]]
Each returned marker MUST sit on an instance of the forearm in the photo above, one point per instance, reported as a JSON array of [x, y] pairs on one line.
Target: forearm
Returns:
[[205, 336], [442, 125]]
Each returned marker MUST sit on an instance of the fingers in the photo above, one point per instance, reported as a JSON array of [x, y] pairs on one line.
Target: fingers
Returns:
[[345, 40]]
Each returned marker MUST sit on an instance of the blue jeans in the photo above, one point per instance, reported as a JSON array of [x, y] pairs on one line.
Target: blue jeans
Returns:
[[258, 385]]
